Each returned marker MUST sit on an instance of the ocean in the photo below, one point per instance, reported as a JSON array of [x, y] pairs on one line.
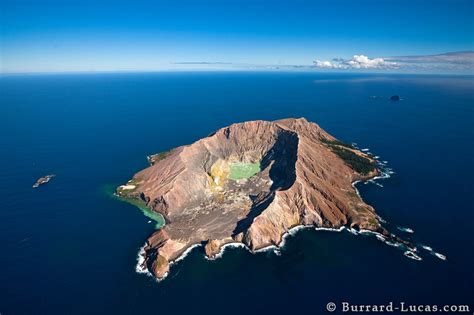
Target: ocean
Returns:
[[68, 247]]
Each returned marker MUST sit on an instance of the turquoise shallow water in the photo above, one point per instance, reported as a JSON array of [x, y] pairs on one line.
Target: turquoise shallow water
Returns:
[[155, 218], [69, 248]]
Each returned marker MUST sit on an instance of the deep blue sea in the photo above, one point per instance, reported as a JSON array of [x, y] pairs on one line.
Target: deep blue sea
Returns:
[[67, 247]]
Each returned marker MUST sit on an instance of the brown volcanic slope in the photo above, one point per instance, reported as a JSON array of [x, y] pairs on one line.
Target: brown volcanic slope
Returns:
[[303, 180]]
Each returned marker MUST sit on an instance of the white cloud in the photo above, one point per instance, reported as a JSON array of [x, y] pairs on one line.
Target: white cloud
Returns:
[[364, 62], [325, 64], [356, 62], [462, 61]]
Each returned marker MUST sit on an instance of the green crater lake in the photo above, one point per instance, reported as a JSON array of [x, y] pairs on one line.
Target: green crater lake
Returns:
[[241, 170]]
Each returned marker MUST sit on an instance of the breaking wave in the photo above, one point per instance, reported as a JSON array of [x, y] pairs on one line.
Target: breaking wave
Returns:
[[440, 256], [412, 255], [425, 247], [141, 267], [185, 253], [405, 229]]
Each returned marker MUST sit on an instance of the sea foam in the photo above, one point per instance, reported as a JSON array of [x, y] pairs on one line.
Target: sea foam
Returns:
[[428, 248], [185, 253], [411, 254], [405, 229], [440, 256], [140, 267]]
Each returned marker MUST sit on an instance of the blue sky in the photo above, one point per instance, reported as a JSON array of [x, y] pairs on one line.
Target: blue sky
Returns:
[[51, 36]]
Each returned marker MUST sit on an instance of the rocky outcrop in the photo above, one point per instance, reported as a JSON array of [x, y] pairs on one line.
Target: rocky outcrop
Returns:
[[305, 178], [43, 180]]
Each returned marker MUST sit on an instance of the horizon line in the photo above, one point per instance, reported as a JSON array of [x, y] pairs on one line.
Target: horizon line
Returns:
[[388, 73]]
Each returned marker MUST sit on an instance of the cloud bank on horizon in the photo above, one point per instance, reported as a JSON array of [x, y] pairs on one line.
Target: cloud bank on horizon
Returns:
[[453, 61]]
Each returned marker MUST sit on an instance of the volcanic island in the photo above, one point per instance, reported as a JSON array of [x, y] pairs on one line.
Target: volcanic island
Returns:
[[249, 184]]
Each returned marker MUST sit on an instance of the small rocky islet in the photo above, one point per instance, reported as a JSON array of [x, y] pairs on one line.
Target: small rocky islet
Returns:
[[250, 183], [43, 180]]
